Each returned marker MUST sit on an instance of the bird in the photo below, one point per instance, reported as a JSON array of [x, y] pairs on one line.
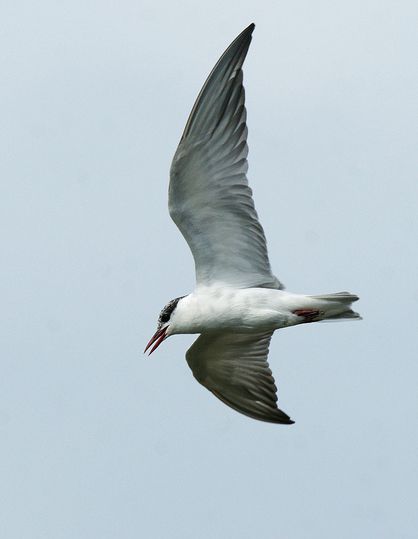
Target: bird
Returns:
[[237, 303]]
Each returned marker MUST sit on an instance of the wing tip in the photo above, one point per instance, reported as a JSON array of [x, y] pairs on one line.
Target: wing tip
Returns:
[[284, 418], [245, 34], [276, 416]]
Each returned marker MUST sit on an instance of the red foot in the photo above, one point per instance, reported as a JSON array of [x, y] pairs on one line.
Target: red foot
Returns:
[[309, 315]]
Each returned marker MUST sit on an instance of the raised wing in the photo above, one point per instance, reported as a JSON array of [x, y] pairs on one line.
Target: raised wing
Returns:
[[209, 197], [234, 367]]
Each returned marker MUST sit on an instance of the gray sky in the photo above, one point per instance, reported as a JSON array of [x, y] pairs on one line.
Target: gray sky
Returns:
[[98, 442]]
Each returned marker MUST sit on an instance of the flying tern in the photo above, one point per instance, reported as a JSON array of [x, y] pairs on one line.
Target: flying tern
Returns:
[[238, 303]]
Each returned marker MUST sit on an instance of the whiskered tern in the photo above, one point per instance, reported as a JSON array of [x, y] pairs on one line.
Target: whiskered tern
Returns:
[[238, 303]]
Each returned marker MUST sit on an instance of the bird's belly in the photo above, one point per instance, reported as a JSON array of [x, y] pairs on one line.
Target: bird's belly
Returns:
[[241, 311], [249, 321]]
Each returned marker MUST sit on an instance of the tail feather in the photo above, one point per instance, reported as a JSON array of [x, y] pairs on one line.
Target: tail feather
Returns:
[[341, 297], [337, 306], [346, 315]]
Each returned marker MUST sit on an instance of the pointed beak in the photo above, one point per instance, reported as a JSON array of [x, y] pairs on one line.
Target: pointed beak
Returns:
[[156, 339]]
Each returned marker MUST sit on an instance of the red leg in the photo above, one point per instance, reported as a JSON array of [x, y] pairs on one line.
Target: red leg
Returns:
[[309, 315]]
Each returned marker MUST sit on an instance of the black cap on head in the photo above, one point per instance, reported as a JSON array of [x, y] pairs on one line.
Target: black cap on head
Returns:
[[165, 314]]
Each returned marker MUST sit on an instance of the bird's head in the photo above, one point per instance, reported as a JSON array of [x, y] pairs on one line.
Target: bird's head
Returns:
[[165, 325]]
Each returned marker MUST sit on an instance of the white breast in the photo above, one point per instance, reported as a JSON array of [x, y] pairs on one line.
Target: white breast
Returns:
[[218, 308]]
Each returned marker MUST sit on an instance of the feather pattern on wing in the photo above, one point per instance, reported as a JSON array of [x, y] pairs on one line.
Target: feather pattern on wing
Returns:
[[234, 367], [209, 197]]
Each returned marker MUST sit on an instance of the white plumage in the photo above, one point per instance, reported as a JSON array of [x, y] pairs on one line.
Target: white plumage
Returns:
[[238, 303]]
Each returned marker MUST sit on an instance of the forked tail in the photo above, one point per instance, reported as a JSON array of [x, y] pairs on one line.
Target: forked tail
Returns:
[[337, 306], [329, 307]]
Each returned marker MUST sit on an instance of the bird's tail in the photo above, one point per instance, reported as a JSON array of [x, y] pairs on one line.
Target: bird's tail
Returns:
[[336, 306]]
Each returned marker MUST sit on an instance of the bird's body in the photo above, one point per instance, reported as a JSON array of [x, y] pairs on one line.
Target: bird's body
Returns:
[[238, 303], [221, 308]]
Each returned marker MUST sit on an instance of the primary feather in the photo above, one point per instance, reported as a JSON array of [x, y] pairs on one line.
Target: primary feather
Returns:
[[209, 197]]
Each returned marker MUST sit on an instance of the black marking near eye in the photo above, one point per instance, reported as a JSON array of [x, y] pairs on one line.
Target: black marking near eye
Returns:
[[165, 314]]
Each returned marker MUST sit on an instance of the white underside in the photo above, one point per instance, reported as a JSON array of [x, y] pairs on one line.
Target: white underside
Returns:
[[216, 308]]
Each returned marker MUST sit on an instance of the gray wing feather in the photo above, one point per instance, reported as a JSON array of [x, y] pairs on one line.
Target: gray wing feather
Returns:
[[209, 197], [234, 367]]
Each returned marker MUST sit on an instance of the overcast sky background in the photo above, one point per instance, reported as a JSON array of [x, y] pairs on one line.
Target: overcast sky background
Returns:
[[96, 442]]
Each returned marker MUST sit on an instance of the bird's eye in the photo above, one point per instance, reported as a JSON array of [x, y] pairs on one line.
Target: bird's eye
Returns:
[[164, 318]]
